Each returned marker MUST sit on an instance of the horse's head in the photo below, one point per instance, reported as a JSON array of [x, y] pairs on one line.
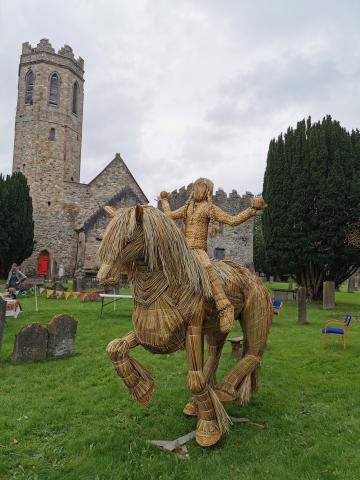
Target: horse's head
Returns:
[[122, 244], [144, 232]]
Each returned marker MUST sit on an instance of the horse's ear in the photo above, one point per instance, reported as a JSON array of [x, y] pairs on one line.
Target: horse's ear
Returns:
[[110, 211], [139, 213]]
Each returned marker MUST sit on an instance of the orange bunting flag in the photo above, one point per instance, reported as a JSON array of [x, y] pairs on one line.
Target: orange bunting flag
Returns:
[[76, 294], [49, 293], [67, 294]]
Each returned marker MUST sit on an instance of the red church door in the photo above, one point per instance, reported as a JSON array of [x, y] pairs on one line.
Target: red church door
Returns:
[[43, 263]]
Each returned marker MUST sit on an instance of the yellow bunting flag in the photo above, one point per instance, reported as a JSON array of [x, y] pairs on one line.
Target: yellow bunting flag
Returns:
[[76, 294], [49, 293], [67, 294]]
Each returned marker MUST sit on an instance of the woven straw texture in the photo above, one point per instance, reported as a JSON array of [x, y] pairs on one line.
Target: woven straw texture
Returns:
[[175, 306]]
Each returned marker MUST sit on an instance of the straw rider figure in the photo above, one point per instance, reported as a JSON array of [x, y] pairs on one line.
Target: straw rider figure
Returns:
[[196, 214]]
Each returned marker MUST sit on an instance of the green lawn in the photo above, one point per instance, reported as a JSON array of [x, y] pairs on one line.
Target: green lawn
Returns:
[[71, 418]]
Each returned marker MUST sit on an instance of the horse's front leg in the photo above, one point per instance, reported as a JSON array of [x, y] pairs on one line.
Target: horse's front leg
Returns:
[[136, 377], [212, 418]]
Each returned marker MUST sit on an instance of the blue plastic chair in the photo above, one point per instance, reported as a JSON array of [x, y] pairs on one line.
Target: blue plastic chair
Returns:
[[336, 327], [277, 307]]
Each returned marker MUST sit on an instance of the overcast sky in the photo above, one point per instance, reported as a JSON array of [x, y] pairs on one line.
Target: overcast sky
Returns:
[[189, 88]]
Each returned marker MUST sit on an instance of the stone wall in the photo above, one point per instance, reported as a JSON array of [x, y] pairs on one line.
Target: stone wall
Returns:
[[48, 160], [236, 243], [47, 149]]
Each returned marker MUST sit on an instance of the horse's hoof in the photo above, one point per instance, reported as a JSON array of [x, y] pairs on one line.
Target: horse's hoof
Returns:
[[224, 396], [207, 433], [142, 391], [147, 397], [191, 409]]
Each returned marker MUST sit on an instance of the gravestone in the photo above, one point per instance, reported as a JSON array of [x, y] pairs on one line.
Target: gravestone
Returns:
[[271, 279], [62, 332], [328, 295], [351, 285], [301, 304], [30, 343], [2, 319]]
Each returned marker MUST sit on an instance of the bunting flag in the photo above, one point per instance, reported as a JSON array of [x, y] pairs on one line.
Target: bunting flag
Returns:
[[91, 296], [41, 290]]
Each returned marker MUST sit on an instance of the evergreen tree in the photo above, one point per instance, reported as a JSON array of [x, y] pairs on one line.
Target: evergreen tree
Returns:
[[4, 235], [16, 220], [260, 263], [312, 188]]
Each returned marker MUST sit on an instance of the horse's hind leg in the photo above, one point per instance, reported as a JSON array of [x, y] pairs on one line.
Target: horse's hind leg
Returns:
[[241, 380], [136, 377], [214, 345]]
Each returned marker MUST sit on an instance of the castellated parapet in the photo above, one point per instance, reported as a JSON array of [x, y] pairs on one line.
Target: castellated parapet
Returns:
[[230, 243]]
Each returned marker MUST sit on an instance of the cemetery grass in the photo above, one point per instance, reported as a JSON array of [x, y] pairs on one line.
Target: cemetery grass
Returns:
[[71, 418]]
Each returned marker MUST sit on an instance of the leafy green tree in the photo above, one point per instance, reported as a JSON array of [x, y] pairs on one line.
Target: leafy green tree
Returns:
[[16, 221], [312, 188]]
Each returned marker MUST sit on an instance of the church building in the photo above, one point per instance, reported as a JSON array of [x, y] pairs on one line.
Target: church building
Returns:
[[68, 215]]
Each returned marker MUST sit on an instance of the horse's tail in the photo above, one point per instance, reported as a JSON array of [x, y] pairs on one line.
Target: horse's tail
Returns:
[[255, 318]]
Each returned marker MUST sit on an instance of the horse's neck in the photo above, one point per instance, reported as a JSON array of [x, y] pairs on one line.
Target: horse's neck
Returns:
[[147, 285]]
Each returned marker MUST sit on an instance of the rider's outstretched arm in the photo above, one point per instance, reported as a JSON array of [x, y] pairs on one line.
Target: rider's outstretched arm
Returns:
[[257, 204], [175, 214]]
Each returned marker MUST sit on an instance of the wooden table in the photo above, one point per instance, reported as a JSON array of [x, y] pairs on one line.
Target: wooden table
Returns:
[[115, 297]]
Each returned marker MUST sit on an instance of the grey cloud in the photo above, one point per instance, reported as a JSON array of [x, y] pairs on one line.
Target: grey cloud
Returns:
[[190, 88]]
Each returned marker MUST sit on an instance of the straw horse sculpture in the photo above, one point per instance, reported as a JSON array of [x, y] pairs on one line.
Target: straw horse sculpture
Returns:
[[173, 309]]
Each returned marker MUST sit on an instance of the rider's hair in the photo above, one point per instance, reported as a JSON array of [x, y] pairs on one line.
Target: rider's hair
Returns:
[[190, 203]]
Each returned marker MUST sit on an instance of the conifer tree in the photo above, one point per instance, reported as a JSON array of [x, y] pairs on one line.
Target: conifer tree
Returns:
[[16, 220], [312, 188], [4, 236]]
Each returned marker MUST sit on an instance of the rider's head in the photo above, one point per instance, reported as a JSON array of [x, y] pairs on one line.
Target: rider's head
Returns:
[[13, 267], [202, 189]]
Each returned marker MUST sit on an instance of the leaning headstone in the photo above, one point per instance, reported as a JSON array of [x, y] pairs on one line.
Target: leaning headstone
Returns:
[[271, 279], [328, 295], [351, 285], [2, 319], [30, 343], [290, 286], [62, 332], [301, 304]]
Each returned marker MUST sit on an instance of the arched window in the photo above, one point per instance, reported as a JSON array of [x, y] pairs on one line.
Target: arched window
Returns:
[[75, 98], [29, 87], [54, 89]]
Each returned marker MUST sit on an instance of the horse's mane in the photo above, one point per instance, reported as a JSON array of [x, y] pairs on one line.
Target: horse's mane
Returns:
[[165, 247]]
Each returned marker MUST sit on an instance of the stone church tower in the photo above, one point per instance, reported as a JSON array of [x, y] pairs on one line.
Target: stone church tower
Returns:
[[47, 150]]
